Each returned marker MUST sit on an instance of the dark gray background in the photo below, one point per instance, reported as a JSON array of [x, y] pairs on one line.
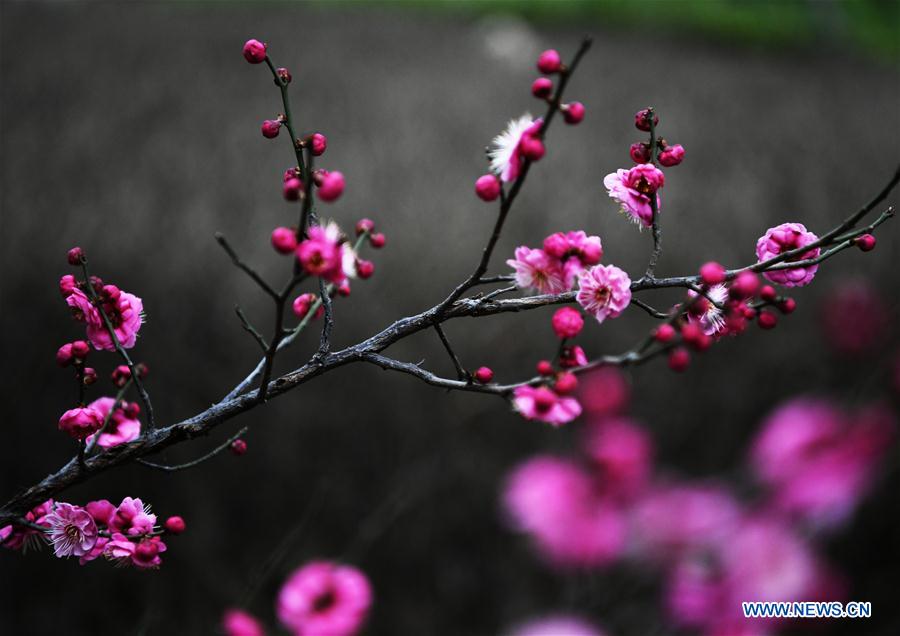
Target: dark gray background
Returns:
[[134, 132]]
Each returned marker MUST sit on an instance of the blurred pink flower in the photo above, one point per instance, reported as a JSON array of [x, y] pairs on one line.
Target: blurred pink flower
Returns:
[[325, 599], [622, 455], [604, 391], [854, 318], [557, 626], [819, 461], [237, 622], [553, 500], [670, 520]]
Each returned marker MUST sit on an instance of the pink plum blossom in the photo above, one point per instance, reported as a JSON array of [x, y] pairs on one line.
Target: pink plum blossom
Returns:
[[326, 254], [71, 530], [535, 269], [633, 189], [81, 422], [604, 291], [567, 322], [542, 403], [554, 501], [120, 429], [133, 518], [324, 598], [575, 251], [783, 238], [125, 313], [82, 308], [507, 156], [237, 622]]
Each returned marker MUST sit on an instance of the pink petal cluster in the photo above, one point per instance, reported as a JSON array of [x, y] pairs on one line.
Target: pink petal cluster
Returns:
[[324, 598], [555, 267], [604, 392], [818, 460], [132, 517], [121, 428], [604, 291], [326, 254], [81, 422], [554, 501], [633, 189], [543, 404], [855, 318], [144, 554], [125, 313], [23, 537], [783, 238], [621, 454], [71, 530]]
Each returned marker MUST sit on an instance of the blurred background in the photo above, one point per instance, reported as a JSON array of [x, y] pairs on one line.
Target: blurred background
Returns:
[[132, 129]]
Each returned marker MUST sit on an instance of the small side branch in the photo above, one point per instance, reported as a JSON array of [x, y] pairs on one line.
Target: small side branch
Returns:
[[249, 328], [252, 273], [460, 371], [174, 468]]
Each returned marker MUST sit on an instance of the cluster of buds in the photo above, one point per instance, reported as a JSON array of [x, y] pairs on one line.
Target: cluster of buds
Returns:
[[720, 309], [641, 152]]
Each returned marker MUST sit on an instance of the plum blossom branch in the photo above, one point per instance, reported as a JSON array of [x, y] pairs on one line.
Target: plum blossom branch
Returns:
[[196, 462], [460, 371], [371, 349], [114, 338]]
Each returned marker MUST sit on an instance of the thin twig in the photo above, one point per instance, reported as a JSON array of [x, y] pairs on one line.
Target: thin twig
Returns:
[[460, 371], [218, 449]]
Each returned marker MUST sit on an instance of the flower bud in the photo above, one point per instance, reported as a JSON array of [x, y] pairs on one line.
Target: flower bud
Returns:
[[542, 87], [640, 152], [67, 284], [110, 293], [787, 306], [332, 186], [343, 289], [573, 113], [532, 148], [365, 269], [89, 376], [284, 240], [744, 286], [679, 359], [284, 75], [74, 256], [544, 367], [672, 155], [768, 293], [364, 225], [866, 242], [642, 119], [567, 322], [712, 273], [483, 375], [292, 188], [566, 383], [270, 128], [121, 375], [487, 187], [377, 240], [549, 62], [131, 409], [317, 144], [64, 355], [80, 349], [238, 447], [175, 525], [302, 304], [767, 319], [664, 333], [255, 51]]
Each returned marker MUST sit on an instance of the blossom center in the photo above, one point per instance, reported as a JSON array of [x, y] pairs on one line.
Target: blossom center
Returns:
[[324, 601], [602, 295]]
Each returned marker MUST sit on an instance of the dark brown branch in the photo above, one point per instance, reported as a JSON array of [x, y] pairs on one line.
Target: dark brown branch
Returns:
[[460, 371], [243, 266]]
